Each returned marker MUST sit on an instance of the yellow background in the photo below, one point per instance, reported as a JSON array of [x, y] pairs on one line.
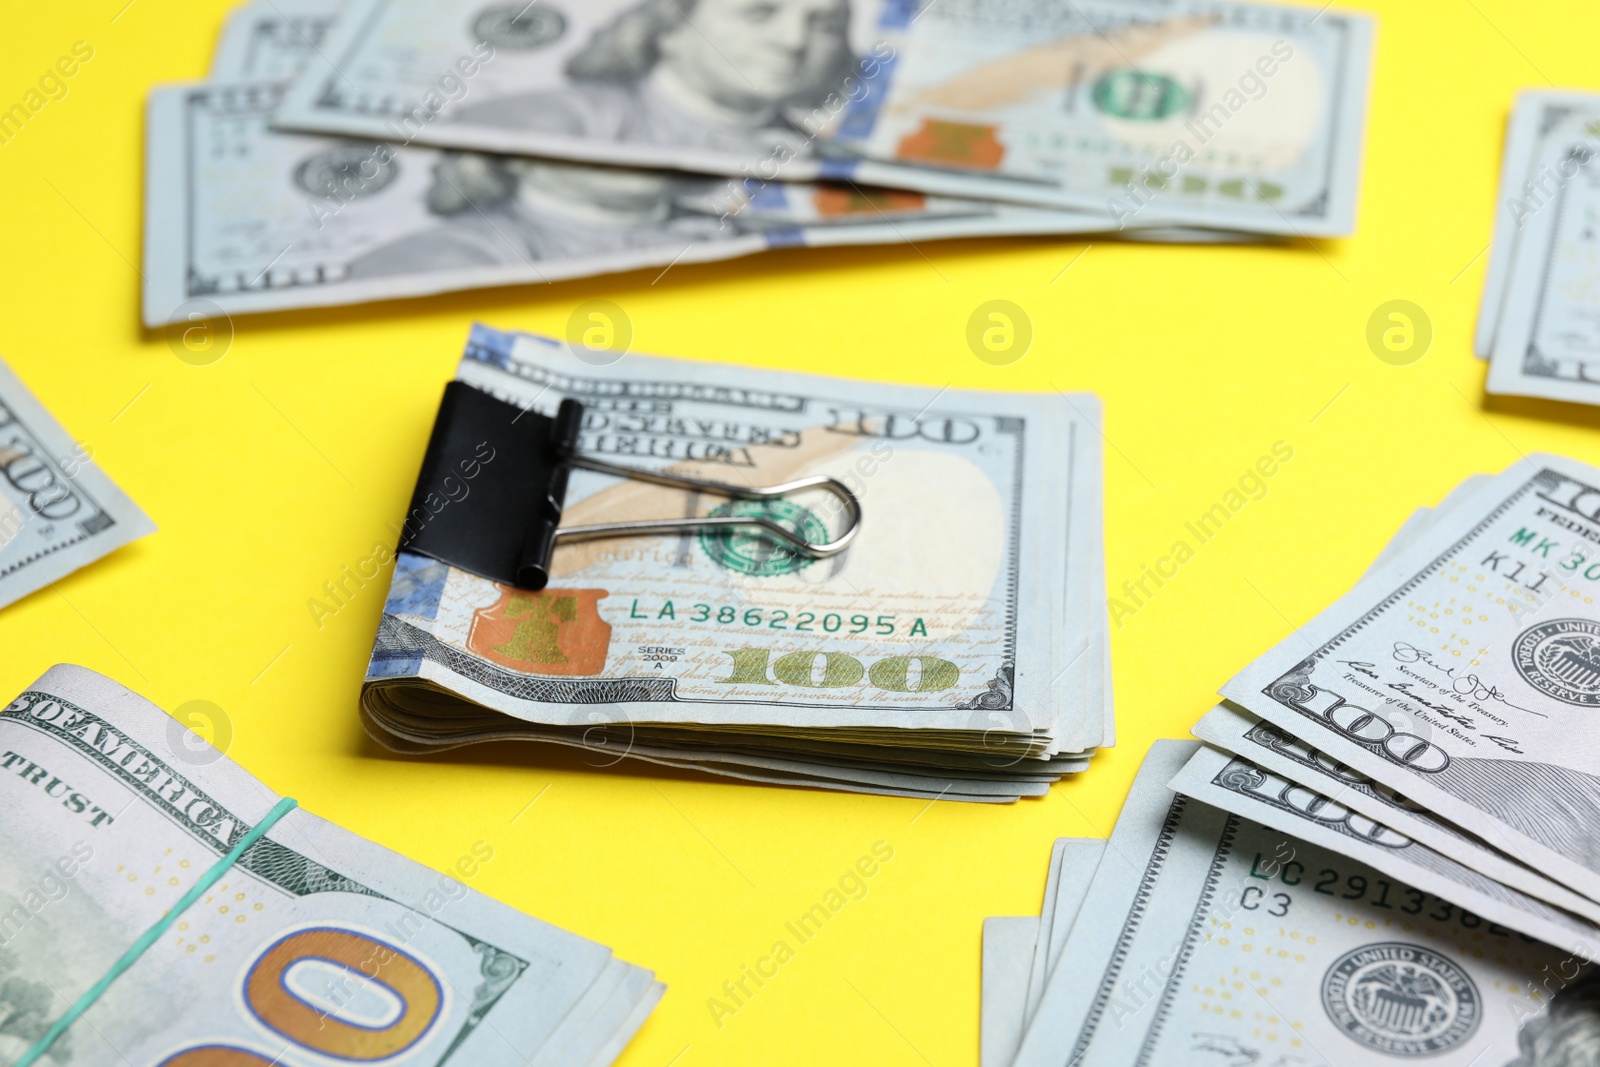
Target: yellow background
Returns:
[[287, 459]]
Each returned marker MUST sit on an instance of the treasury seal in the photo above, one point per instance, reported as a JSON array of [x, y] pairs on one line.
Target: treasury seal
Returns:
[[753, 552], [1561, 659], [1401, 999], [347, 172], [519, 27]]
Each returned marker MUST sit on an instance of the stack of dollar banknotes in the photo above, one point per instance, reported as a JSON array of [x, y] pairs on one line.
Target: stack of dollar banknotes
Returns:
[[1384, 849], [403, 147], [1537, 324], [957, 650], [165, 907]]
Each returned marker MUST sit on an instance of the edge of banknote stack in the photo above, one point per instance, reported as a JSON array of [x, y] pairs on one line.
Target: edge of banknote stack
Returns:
[[1536, 317]]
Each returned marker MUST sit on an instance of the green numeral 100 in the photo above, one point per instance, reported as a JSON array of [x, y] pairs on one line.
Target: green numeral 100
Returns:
[[835, 670]]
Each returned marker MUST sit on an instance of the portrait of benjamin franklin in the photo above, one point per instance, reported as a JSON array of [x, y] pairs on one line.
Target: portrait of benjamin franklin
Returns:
[[1568, 1035], [722, 75], [508, 209]]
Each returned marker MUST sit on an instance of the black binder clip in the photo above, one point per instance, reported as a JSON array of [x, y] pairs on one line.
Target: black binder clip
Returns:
[[494, 481]]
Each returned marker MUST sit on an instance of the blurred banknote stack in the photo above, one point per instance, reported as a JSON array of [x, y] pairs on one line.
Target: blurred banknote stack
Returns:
[[1537, 323], [395, 148]]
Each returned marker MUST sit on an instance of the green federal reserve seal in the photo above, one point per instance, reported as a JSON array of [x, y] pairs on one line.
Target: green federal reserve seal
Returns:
[[749, 551]]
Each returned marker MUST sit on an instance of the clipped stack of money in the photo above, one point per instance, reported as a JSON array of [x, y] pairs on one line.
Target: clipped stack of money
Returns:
[[1537, 324], [407, 147], [236, 928], [957, 649], [1204, 937]]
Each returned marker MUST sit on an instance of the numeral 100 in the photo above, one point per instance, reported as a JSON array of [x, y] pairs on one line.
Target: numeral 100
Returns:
[[836, 670]]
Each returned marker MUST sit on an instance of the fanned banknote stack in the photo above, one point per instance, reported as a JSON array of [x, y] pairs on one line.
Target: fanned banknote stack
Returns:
[[1203, 937], [957, 649], [397, 148], [1538, 324], [1437, 721], [1385, 847], [312, 946]]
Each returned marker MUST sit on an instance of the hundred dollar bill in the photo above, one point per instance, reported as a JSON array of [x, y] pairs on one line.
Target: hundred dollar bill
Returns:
[[1546, 342], [316, 946], [1234, 784], [1241, 115], [1526, 185], [1061, 1027], [1273, 750], [58, 512], [1205, 941], [1461, 673], [924, 657], [244, 218], [271, 41]]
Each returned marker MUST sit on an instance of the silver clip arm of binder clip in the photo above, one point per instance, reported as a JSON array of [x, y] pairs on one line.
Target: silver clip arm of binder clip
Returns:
[[795, 542]]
